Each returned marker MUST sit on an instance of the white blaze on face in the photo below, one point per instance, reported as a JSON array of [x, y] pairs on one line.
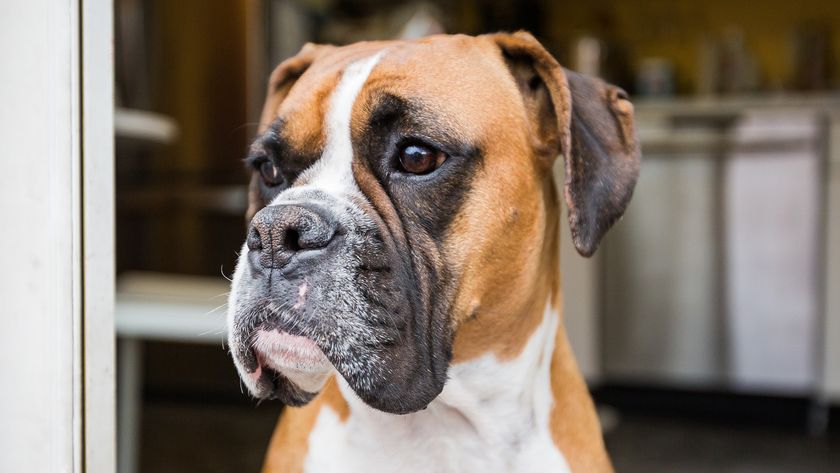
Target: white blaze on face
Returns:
[[333, 173]]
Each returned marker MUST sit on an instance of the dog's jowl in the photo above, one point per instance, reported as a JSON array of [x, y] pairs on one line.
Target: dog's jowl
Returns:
[[399, 284]]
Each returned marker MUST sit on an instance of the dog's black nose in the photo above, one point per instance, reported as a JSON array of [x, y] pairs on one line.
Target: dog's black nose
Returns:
[[279, 232]]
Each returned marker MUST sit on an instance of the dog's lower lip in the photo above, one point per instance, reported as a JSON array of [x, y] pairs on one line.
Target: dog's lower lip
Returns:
[[279, 349]]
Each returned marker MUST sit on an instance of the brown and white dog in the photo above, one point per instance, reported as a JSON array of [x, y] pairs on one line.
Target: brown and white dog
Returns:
[[399, 284]]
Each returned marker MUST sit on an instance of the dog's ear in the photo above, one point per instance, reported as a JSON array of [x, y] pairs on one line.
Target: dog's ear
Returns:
[[280, 83], [590, 124]]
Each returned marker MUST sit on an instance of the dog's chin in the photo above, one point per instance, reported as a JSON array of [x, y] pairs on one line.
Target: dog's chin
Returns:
[[289, 368], [375, 347]]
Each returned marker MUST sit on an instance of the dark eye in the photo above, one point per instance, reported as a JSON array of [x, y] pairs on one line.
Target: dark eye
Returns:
[[420, 159], [271, 174]]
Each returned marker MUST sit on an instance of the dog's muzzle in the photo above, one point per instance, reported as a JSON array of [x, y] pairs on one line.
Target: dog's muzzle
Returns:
[[319, 289]]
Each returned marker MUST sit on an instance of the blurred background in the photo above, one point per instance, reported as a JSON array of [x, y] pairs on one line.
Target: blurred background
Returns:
[[708, 326]]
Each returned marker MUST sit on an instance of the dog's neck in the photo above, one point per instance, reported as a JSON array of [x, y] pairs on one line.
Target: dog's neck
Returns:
[[512, 398], [488, 405]]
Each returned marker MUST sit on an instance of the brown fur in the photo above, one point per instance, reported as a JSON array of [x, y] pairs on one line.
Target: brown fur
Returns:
[[573, 421]]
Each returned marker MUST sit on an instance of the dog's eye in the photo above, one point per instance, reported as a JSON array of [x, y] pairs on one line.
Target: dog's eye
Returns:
[[420, 159], [270, 173]]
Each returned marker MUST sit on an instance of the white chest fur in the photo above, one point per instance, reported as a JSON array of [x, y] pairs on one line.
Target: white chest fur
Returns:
[[492, 416]]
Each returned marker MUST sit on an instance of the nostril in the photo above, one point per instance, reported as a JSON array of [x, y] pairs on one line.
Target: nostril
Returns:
[[254, 240], [312, 234], [292, 240]]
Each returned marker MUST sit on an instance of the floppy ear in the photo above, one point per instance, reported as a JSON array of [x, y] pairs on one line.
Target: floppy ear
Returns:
[[590, 124], [280, 83]]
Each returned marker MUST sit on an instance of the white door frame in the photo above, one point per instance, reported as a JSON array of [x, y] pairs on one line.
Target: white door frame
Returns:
[[57, 241], [98, 230]]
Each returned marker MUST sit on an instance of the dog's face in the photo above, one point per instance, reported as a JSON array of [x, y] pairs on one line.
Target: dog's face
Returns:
[[400, 189]]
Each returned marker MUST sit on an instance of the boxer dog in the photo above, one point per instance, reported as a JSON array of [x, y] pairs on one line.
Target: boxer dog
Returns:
[[399, 284]]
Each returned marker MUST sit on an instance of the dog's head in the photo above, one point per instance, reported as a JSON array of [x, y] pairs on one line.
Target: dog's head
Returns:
[[402, 189]]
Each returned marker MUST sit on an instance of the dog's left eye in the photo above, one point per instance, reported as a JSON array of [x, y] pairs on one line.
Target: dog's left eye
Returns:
[[420, 159], [270, 173]]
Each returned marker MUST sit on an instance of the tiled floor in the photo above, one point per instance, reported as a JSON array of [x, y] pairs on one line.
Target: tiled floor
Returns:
[[210, 438]]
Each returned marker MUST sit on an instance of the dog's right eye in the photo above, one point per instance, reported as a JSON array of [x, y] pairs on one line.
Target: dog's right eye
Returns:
[[420, 159], [271, 174]]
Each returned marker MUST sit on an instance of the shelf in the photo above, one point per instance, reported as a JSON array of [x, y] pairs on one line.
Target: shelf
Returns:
[[169, 307], [145, 126], [723, 106]]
